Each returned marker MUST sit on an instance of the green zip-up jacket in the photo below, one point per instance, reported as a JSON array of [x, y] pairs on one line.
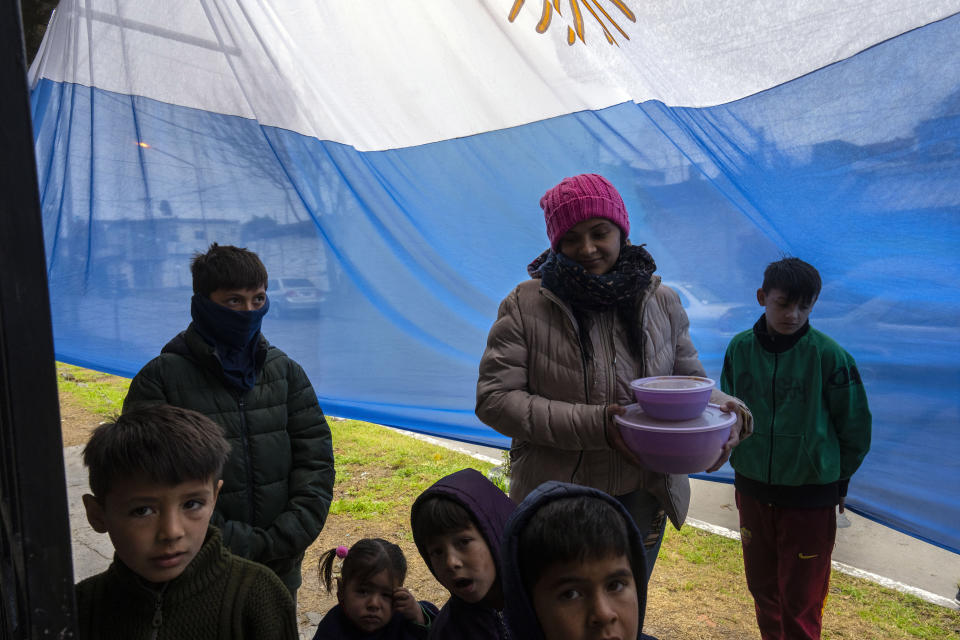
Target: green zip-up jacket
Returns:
[[278, 481], [811, 422], [217, 597]]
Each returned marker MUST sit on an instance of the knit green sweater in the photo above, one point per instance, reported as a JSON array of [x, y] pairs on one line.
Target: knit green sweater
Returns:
[[218, 596]]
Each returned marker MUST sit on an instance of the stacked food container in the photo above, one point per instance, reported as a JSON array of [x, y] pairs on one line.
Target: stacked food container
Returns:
[[673, 428]]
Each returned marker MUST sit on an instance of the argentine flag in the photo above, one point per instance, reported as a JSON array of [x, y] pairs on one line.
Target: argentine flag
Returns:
[[386, 159]]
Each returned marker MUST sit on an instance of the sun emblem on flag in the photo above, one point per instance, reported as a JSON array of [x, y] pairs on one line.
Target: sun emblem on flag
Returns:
[[576, 31]]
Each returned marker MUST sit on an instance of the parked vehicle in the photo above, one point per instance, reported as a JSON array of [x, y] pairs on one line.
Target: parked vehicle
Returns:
[[290, 295]]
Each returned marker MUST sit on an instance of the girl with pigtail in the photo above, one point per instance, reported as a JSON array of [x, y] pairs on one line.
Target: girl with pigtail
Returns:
[[372, 602]]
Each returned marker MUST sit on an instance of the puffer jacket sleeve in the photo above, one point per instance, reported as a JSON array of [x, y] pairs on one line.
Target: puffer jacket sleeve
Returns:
[[146, 388], [505, 404], [310, 482]]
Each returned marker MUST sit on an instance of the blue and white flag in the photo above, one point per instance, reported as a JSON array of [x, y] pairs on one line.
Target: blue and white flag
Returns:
[[386, 160]]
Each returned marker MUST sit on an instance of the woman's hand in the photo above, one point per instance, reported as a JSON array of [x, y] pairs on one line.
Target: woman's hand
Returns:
[[407, 606], [614, 439], [734, 439]]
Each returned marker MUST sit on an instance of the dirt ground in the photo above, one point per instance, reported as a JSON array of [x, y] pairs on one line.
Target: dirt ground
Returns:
[[685, 600]]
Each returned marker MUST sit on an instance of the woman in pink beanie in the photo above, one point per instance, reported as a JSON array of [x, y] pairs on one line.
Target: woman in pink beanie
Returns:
[[567, 343]]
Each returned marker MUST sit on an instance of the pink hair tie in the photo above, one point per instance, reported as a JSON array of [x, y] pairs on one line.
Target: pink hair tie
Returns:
[[342, 551]]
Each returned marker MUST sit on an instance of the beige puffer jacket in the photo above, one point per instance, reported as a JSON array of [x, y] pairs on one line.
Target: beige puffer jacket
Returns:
[[535, 387]]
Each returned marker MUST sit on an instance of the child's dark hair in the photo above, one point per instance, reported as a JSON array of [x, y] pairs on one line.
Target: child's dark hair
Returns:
[[798, 279], [168, 445], [572, 529], [226, 267], [365, 559], [437, 516]]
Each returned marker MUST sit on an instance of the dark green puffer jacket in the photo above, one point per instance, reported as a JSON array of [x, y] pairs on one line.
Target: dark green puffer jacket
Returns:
[[278, 481]]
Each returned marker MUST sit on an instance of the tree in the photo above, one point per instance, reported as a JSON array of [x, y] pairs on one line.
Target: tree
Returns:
[[35, 15]]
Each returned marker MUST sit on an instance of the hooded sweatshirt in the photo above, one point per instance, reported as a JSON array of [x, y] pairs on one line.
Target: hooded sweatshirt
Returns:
[[489, 507], [336, 626], [518, 610]]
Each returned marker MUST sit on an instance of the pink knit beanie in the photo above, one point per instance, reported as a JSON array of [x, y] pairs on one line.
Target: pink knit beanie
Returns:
[[580, 198]]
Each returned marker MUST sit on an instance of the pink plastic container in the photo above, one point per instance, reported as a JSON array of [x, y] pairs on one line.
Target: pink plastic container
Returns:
[[672, 446], [672, 397]]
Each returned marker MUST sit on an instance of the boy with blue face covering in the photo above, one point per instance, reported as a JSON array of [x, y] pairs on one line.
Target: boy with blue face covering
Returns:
[[278, 480]]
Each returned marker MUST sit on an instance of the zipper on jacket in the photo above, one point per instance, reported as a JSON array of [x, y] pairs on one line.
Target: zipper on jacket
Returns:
[[157, 621], [576, 331], [583, 361], [503, 625], [613, 360], [586, 398], [612, 385], [242, 404], [643, 339], [773, 416]]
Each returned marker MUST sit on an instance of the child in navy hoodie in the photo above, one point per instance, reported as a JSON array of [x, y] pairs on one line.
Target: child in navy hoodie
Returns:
[[574, 567], [372, 603], [457, 526]]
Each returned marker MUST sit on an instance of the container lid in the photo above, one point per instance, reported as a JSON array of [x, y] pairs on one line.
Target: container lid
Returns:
[[672, 384], [712, 418]]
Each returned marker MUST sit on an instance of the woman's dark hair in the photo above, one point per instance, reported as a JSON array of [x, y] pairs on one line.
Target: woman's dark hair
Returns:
[[572, 529], [437, 516], [226, 267], [365, 559], [796, 278]]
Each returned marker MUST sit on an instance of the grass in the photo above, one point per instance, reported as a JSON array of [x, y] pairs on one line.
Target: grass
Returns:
[[98, 393], [380, 472], [698, 547], [708, 563], [697, 591], [892, 614]]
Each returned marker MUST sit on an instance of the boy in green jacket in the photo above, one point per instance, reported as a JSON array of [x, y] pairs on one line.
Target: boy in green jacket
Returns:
[[811, 432], [154, 477], [278, 480]]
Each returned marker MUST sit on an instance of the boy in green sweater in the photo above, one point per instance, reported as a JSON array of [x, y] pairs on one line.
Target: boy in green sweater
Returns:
[[811, 431], [155, 476]]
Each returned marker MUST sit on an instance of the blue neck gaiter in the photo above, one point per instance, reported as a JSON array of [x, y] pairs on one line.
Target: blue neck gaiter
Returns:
[[234, 336]]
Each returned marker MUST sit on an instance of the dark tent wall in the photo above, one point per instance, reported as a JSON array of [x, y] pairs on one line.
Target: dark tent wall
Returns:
[[36, 574], [401, 179]]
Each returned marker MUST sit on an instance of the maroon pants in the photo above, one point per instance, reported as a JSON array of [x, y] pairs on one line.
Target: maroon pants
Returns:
[[786, 557]]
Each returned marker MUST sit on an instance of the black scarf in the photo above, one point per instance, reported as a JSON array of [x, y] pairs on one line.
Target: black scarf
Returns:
[[234, 336], [583, 291]]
